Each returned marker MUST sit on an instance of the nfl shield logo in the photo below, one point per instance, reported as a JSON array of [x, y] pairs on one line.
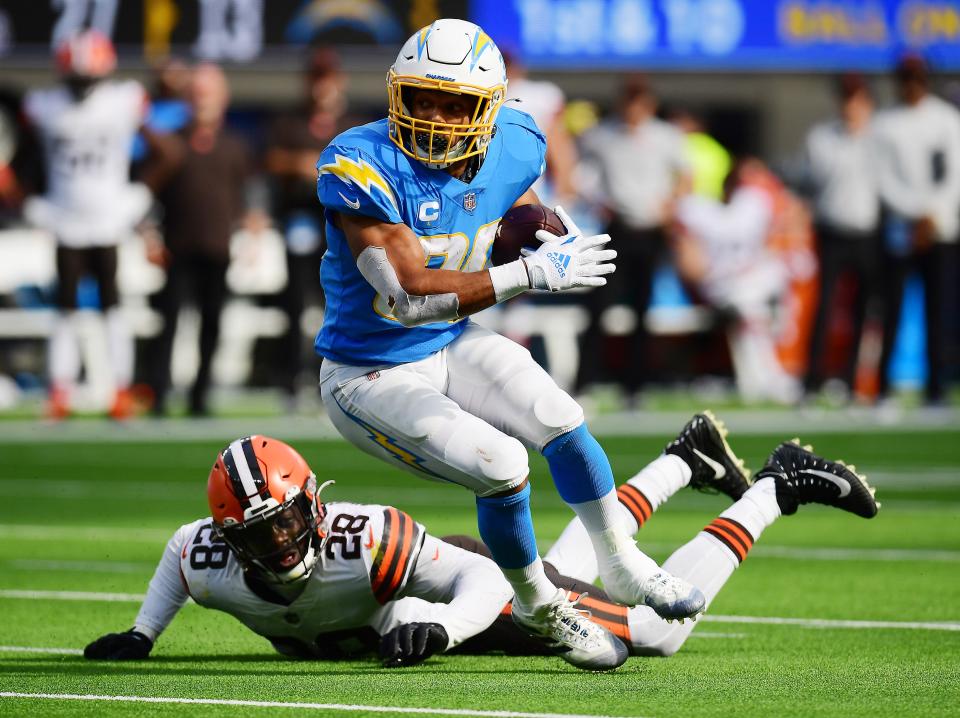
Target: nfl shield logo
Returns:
[[470, 201]]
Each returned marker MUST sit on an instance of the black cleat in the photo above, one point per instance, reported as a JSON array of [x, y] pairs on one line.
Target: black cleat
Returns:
[[802, 477], [702, 444]]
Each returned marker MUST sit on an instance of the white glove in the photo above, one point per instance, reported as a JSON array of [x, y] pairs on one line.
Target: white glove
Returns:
[[570, 261]]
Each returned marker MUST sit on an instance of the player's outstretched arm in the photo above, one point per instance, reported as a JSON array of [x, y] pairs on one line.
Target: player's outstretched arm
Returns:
[[462, 592], [127, 646], [165, 596], [412, 643]]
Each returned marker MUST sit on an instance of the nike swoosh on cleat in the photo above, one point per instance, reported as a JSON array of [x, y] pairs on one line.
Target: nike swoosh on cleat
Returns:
[[718, 469], [352, 204], [842, 484]]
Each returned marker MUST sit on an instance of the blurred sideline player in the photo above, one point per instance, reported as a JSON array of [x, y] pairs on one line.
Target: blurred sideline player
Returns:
[[412, 206], [86, 126], [723, 250], [339, 580]]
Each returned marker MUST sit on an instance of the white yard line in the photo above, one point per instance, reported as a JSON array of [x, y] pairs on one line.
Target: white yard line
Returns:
[[301, 706], [805, 622], [830, 553], [834, 623], [72, 596], [856, 554], [35, 649], [785, 422]]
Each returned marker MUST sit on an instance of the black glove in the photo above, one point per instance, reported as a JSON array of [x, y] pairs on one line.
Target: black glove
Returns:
[[129, 646], [411, 643]]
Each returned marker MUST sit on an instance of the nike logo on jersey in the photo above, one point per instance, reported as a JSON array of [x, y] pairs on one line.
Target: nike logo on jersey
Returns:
[[841, 483], [560, 262], [352, 204], [369, 543], [436, 554], [718, 471]]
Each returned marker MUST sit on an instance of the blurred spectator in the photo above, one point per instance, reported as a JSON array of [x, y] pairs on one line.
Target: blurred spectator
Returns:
[[545, 103], [169, 109], [840, 170], [200, 178], [86, 125], [919, 175], [641, 168], [709, 160], [11, 191], [722, 249], [294, 143]]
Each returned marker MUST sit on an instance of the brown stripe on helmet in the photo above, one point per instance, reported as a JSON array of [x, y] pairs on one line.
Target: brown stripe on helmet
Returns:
[[235, 481], [259, 480]]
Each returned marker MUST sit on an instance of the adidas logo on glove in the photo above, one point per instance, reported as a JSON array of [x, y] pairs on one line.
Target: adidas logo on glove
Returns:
[[560, 262]]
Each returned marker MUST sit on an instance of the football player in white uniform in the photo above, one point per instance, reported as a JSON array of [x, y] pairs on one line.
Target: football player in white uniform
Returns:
[[341, 579], [86, 126]]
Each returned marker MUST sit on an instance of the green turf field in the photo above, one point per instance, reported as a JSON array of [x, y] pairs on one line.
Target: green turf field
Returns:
[[93, 517]]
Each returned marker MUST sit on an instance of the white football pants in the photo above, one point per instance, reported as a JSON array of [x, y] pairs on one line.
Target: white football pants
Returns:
[[464, 414]]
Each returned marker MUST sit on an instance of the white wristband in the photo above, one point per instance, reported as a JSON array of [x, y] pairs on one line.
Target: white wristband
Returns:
[[509, 280]]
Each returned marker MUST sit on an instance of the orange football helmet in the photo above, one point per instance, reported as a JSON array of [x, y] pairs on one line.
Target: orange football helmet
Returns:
[[265, 504], [87, 54]]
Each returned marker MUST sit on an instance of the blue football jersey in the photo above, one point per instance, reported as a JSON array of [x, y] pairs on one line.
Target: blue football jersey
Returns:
[[362, 172]]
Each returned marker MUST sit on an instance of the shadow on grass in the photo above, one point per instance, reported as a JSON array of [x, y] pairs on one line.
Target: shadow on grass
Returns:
[[258, 665]]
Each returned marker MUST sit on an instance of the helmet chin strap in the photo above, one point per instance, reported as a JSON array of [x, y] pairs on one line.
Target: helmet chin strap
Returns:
[[297, 576]]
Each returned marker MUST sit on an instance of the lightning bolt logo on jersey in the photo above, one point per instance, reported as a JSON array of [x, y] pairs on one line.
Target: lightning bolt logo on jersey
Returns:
[[363, 173]]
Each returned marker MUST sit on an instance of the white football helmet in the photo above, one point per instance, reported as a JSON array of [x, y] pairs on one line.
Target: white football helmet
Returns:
[[453, 56]]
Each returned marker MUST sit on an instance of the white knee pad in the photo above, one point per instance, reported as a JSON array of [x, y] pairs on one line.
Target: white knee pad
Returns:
[[502, 461], [546, 410], [557, 411]]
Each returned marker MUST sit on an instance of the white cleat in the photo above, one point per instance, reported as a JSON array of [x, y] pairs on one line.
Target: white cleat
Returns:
[[568, 631], [672, 597], [667, 595]]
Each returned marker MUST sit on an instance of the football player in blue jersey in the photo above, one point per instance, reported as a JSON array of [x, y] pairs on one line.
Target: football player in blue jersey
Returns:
[[412, 205]]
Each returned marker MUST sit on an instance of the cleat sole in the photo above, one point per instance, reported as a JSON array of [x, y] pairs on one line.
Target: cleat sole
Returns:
[[722, 430]]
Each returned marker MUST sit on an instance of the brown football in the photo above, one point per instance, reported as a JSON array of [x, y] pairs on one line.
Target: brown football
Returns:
[[518, 229]]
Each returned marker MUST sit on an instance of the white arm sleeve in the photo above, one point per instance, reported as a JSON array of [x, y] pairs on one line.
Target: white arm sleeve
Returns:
[[409, 309], [466, 591], [166, 594]]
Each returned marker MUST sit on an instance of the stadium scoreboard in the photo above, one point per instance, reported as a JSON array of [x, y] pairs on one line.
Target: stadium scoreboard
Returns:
[[240, 31], [737, 35]]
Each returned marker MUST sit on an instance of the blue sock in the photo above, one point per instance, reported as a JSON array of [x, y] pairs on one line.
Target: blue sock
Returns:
[[506, 527], [580, 468]]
